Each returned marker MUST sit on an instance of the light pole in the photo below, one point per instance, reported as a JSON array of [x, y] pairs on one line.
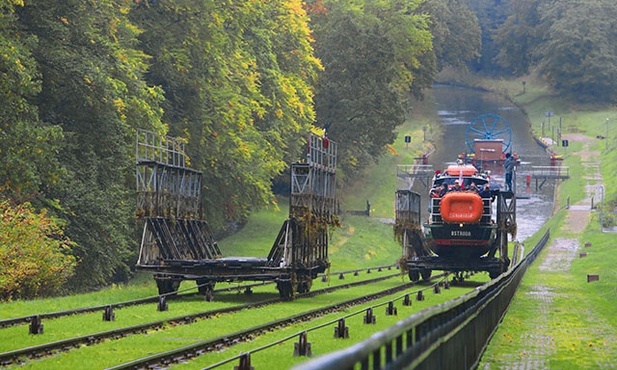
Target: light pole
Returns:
[[606, 146]]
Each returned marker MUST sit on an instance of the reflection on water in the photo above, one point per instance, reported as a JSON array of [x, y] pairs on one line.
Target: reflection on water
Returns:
[[457, 107]]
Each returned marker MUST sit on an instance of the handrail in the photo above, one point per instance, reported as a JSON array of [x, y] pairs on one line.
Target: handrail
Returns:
[[436, 337]]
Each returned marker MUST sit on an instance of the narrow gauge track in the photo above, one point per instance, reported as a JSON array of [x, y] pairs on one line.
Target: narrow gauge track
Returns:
[[134, 302], [6, 323], [14, 356], [162, 360]]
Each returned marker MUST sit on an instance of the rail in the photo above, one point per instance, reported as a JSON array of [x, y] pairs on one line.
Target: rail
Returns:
[[452, 335], [404, 171]]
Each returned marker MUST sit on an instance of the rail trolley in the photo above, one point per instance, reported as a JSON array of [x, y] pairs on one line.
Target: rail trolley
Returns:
[[177, 244]]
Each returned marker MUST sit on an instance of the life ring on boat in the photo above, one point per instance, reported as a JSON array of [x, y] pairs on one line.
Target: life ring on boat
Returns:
[[461, 207]]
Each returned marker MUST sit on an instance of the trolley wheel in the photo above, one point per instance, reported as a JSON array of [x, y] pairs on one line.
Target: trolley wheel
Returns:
[[506, 265], [305, 286], [459, 277], [205, 286], [494, 273], [414, 275], [426, 274], [285, 289]]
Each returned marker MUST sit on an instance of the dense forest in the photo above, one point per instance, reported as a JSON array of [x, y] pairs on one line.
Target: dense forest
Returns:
[[243, 82]]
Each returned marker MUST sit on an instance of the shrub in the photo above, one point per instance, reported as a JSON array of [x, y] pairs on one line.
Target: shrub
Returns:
[[35, 257]]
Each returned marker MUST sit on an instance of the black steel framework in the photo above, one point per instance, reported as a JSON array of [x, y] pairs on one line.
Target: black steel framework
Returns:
[[178, 245], [417, 258]]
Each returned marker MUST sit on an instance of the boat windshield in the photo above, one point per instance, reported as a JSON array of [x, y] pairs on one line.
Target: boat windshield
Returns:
[[467, 181]]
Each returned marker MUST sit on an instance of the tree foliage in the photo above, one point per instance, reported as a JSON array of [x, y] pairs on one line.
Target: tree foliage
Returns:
[[491, 15], [518, 37], [456, 32], [577, 53], [35, 258], [373, 54], [92, 89], [26, 145], [238, 79], [569, 43]]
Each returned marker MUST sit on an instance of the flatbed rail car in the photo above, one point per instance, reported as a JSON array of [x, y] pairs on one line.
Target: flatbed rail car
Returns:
[[177, 244], [463, 231]]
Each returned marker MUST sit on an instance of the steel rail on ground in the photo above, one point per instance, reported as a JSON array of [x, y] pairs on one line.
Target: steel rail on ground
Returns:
[[13, 356]]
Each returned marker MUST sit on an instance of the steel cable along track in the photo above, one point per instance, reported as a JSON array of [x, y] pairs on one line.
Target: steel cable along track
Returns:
[[10, 357], [135, 302], [196, 349]]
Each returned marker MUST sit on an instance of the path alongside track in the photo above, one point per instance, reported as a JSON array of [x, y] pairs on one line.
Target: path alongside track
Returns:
[[548, 320]]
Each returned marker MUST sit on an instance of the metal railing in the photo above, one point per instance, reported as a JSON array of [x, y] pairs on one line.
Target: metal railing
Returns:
[[550, 172], [404, 171], [452, 335]]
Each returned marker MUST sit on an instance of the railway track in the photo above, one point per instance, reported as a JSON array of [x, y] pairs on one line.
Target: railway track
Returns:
[[134, 302], [18, 355], [162, 360], [190, 292]]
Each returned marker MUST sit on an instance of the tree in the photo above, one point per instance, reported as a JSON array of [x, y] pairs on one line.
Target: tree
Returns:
[[27, 146], [519, 36], [456, 32], [491, 14], [372, 53], [92, 88], [238, 79], [577, 54]]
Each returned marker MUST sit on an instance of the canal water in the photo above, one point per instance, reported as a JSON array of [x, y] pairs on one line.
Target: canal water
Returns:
[[457, 108]]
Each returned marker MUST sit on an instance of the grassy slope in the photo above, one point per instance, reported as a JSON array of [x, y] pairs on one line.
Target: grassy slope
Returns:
[[583, 327], [361, 241]]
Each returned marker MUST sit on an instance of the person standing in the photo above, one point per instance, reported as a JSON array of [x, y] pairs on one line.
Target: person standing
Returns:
[[508, 166]]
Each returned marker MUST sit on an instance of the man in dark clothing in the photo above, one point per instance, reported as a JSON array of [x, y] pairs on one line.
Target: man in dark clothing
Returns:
[[508, 167], [486, 192]]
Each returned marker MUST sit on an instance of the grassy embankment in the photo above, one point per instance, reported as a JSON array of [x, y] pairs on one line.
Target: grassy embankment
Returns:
[[580, 329], [360, 242]]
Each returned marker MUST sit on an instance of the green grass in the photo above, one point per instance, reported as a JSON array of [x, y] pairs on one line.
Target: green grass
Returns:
[[122, 350], [580, 319], [580, 327], [256, 238], [141, 286], [78, 325]]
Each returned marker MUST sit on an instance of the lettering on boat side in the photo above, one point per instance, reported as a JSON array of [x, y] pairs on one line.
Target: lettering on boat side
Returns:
[[460, 233]]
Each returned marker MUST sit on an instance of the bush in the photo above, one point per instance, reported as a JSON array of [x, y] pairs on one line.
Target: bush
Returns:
[[35, 257]]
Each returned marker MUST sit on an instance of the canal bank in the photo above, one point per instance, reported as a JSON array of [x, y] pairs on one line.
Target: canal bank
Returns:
[[562, 316]]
